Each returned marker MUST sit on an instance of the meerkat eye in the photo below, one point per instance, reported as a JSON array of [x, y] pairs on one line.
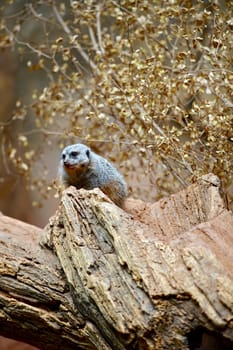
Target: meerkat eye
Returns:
[[74, 154], [63, 156], [88, 153]]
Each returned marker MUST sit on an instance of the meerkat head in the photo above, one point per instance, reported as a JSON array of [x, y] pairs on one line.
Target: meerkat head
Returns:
[[75, 158]]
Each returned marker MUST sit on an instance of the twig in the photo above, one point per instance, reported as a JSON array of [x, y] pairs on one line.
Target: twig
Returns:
[[98, 27], [93, 39], [69, 33], [38, 52], [39, 16]]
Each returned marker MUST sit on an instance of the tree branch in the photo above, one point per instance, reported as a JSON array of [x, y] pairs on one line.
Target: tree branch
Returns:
[[143, 278]]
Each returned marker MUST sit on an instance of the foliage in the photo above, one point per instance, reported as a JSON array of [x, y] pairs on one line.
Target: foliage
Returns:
[[148, 84]]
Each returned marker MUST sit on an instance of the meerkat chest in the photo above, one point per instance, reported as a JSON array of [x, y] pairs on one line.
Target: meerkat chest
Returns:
[[88, 180]]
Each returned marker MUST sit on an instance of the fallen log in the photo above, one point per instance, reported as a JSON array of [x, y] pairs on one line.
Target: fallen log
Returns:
[[152, 276]]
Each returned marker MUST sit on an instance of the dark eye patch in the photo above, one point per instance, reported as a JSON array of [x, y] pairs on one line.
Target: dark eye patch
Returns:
[[88, 153], [63, 156], [74, 154]]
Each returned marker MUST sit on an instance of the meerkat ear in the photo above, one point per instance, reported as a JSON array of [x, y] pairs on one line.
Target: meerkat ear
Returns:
[[88, 153]]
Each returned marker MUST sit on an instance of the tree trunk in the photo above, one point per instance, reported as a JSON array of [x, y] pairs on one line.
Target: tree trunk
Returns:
[[152, 276]]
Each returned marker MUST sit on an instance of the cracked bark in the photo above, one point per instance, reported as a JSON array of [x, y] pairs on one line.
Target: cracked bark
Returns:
[[145, 277]]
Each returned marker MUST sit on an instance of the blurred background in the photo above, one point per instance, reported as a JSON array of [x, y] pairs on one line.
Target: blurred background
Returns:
[[147, 84]]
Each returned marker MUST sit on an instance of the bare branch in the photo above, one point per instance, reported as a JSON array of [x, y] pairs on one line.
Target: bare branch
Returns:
[[98, 26], [93, 39], [78, 47], [32, 48]]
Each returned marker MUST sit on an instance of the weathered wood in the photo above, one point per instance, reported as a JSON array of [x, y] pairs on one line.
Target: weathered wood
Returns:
[[143, 278], [35, 302]]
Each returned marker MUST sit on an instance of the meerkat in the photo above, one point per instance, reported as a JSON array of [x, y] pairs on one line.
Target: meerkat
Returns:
[[83, 168]]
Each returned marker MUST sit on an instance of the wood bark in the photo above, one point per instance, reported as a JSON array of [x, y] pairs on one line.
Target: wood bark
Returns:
[[152, 276]]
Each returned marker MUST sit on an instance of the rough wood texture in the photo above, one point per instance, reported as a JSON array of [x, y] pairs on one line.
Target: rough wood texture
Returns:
[[35, 302], [142, 279]]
